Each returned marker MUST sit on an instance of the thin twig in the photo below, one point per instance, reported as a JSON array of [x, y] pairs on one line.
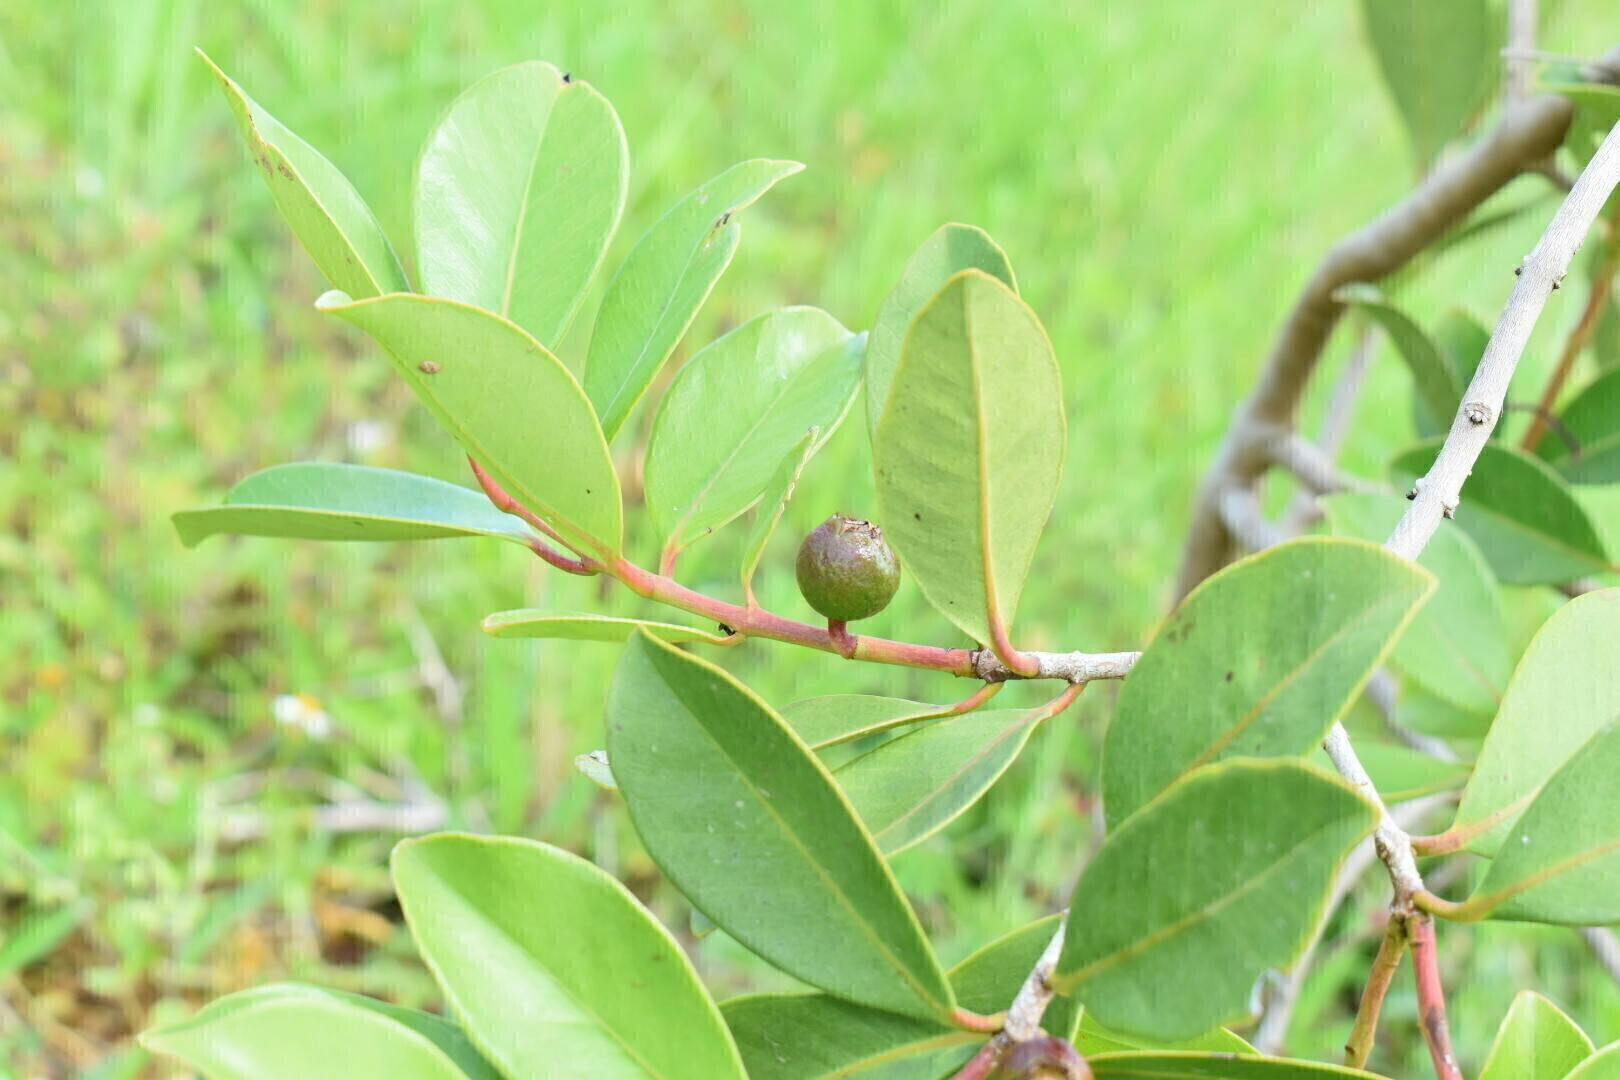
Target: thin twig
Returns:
[[1521, 39], [1359, 1047], [1605, 946], [1539, 275]]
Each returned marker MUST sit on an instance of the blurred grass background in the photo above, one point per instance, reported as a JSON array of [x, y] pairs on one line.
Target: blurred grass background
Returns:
[[1164, 176]]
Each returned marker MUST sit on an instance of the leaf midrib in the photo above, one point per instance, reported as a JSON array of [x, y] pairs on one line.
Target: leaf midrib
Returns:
[[1022, 723], [1203, 914], [837, 891]]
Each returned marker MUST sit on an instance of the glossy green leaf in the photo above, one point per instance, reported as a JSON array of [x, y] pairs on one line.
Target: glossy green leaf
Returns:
[[1456, 646], [572, 626], [1439, 386], [1522, 515], [988, 980], [914, 785], [1215, 1066], [970, 448], [318, 501], [1094, 1039], [327, 215], [657, 292], [274, 1032], [1565, 689], [817, 1037], [511, 404], [736, 410], [839, 718], [534, 949], [771, 505], [1604, 1065], [1440, 60], [1259, 660], [518, 192], [951, 249], [1560, 862], [1592, 421], [1535, 1042], [1241, 858], [752, 828]]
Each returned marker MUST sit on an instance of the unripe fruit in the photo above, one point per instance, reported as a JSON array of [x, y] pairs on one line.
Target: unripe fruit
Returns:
[[846, 570]]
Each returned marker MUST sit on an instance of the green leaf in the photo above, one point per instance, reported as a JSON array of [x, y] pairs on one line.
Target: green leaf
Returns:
[[1438, 385], [317, 501], [571, 626], [1241, 858], [1259, 660], [736, 410], [1440, 61], [1535, 1042], [1521, 514], [1560, 862], [274, 1032], [771, 505], [1215, 1066], [1094, 1039], [546, 959], [752, 828], [511, 404], [913, 786], [1565, 689], [1604, 1065], [988, 980], [839, 718], [1456, 646], [816, 1037], [952, 248], [969, 450], [657, 292], [518, 192], [1592, 420], [327, 215]]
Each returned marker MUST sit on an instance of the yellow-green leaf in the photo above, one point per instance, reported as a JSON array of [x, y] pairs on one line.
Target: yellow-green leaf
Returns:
[[969, 450], [325, 212], [546, 959], [1535, 1042], [510, 403], [581, 626]]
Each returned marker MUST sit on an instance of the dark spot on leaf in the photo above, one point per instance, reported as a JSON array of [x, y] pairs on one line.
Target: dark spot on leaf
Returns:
[[916, 515], [1228, 676], [727, 630], [568, 76]]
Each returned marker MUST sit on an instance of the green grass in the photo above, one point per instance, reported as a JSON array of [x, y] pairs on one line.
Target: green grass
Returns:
[[1163, 175]]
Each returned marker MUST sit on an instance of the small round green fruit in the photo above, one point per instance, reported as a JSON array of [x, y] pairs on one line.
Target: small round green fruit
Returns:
[[846, 570]]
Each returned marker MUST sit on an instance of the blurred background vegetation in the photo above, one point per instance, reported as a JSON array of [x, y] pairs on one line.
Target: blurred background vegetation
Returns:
[[1164, 176]]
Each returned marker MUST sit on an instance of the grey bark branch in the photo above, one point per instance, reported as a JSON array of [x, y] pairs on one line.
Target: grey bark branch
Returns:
[[1521, 39], [1543, 270], [1526, 134], [1074, 667]]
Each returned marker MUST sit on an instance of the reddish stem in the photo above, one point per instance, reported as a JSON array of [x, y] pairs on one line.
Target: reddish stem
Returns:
[[1003, 648], [969, 1020], [1044, 1054], [1359, 1047], [979, 697], [508, 505], [982, 1064], [1431, 996], [843, 641]]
